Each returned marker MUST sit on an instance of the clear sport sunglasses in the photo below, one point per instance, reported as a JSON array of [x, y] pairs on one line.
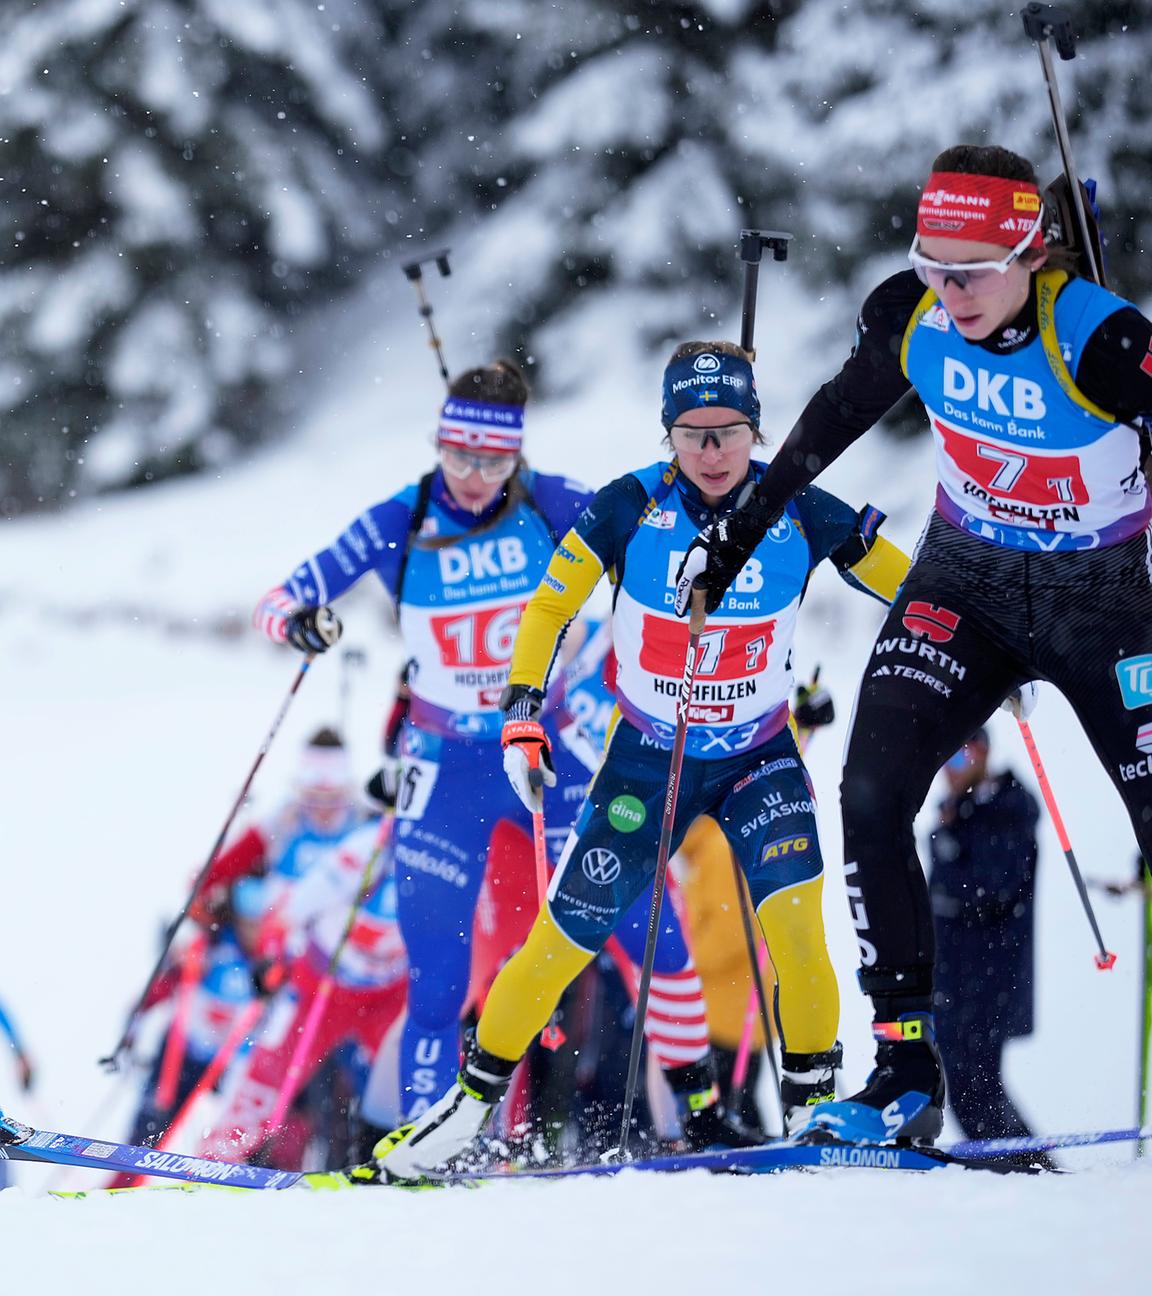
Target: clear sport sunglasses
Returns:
[[491, 467], [977, 277], [732, 436]]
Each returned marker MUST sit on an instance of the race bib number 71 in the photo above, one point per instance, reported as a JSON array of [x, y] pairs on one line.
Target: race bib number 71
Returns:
[[726, 652]]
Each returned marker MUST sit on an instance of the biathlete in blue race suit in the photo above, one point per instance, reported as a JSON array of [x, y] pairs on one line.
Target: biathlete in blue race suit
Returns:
[[1036, 563], [459, 553], [741, 767]]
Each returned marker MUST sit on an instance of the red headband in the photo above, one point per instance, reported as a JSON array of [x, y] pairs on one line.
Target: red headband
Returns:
[[984, 209]]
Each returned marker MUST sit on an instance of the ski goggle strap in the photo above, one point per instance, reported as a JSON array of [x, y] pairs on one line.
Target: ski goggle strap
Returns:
[[710, 378], [481, 425], [983, 209]]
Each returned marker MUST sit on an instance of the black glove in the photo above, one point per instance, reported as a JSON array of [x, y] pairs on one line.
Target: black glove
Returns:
[[527, 751], [268, 975], [384, 785], [813, 707], [720, 552], [313, 629], [521, 702]]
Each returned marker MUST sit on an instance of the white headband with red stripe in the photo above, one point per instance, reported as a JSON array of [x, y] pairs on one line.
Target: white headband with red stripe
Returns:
[[481, 425], [323, 769]]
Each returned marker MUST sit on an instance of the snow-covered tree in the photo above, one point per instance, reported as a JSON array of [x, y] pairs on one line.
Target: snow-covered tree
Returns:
[[608, 172], [179, 176], [183, 179], [634, 142]]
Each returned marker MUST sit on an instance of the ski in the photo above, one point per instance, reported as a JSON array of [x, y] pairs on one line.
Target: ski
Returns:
[[20, 1142], [24, 1143], [52, 1148], [767, 1159]]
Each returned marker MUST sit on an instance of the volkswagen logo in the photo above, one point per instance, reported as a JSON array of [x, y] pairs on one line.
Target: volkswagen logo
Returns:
[[600, 866]]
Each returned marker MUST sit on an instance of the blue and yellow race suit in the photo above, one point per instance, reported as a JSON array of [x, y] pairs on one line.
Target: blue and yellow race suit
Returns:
[[741, 767]]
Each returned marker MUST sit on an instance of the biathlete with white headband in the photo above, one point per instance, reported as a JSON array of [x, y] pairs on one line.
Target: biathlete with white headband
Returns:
[[460, 553], [1034, 565], [741, 765]]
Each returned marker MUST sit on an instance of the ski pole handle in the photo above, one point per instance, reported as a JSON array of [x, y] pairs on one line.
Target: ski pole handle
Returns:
[[414, 273], [752, 245], [696, 613], [1044, 24]]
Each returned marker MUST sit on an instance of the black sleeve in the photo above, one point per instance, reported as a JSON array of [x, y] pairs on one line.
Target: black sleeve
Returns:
[[864, 390], [1115, 370]]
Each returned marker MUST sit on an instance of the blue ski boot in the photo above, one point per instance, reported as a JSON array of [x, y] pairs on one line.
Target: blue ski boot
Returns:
[[903, 1100]]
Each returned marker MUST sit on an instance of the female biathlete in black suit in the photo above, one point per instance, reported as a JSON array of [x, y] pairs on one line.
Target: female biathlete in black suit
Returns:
[[1035, 562]]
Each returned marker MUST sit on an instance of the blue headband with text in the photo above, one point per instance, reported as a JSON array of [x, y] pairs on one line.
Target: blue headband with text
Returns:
[[710, 378]]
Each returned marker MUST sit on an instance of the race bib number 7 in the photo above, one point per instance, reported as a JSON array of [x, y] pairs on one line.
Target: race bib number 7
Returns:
[[1028, 478]]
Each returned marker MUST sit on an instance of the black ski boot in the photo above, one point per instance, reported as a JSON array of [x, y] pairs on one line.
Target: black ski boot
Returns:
[[903, 1100], [12, 1131], [805, 1080], [704, 1122]]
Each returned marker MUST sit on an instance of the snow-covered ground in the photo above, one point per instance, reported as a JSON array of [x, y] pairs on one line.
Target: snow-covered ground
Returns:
[[132, 700]]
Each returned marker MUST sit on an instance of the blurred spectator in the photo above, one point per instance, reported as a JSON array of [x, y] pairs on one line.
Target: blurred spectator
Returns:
[[982, 886]]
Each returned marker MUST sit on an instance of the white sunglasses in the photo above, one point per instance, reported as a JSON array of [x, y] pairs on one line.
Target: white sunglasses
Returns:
[[492, 467], [977, 276]]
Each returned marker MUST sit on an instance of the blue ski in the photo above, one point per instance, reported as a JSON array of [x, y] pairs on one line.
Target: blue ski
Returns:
[[23, 1143], [20, 1142], [766, 1159]]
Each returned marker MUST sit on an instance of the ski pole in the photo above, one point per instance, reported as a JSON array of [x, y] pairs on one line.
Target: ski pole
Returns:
[[414, 273], [696, 622], [756, 990], [1045, 1142], [552, 1037], [1143, 1086], [176, 1043], [323, 993], [1105, 959], [1049, 25], [755, 964], [539, 836], [112, 1061], [752, 245], [744, 1048], [660, 1100]]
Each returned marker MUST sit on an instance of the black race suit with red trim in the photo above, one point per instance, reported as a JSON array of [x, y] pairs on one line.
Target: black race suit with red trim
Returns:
[[978, 615]]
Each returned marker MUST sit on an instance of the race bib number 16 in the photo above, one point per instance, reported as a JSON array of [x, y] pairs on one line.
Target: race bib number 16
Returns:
[[477, 638]]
